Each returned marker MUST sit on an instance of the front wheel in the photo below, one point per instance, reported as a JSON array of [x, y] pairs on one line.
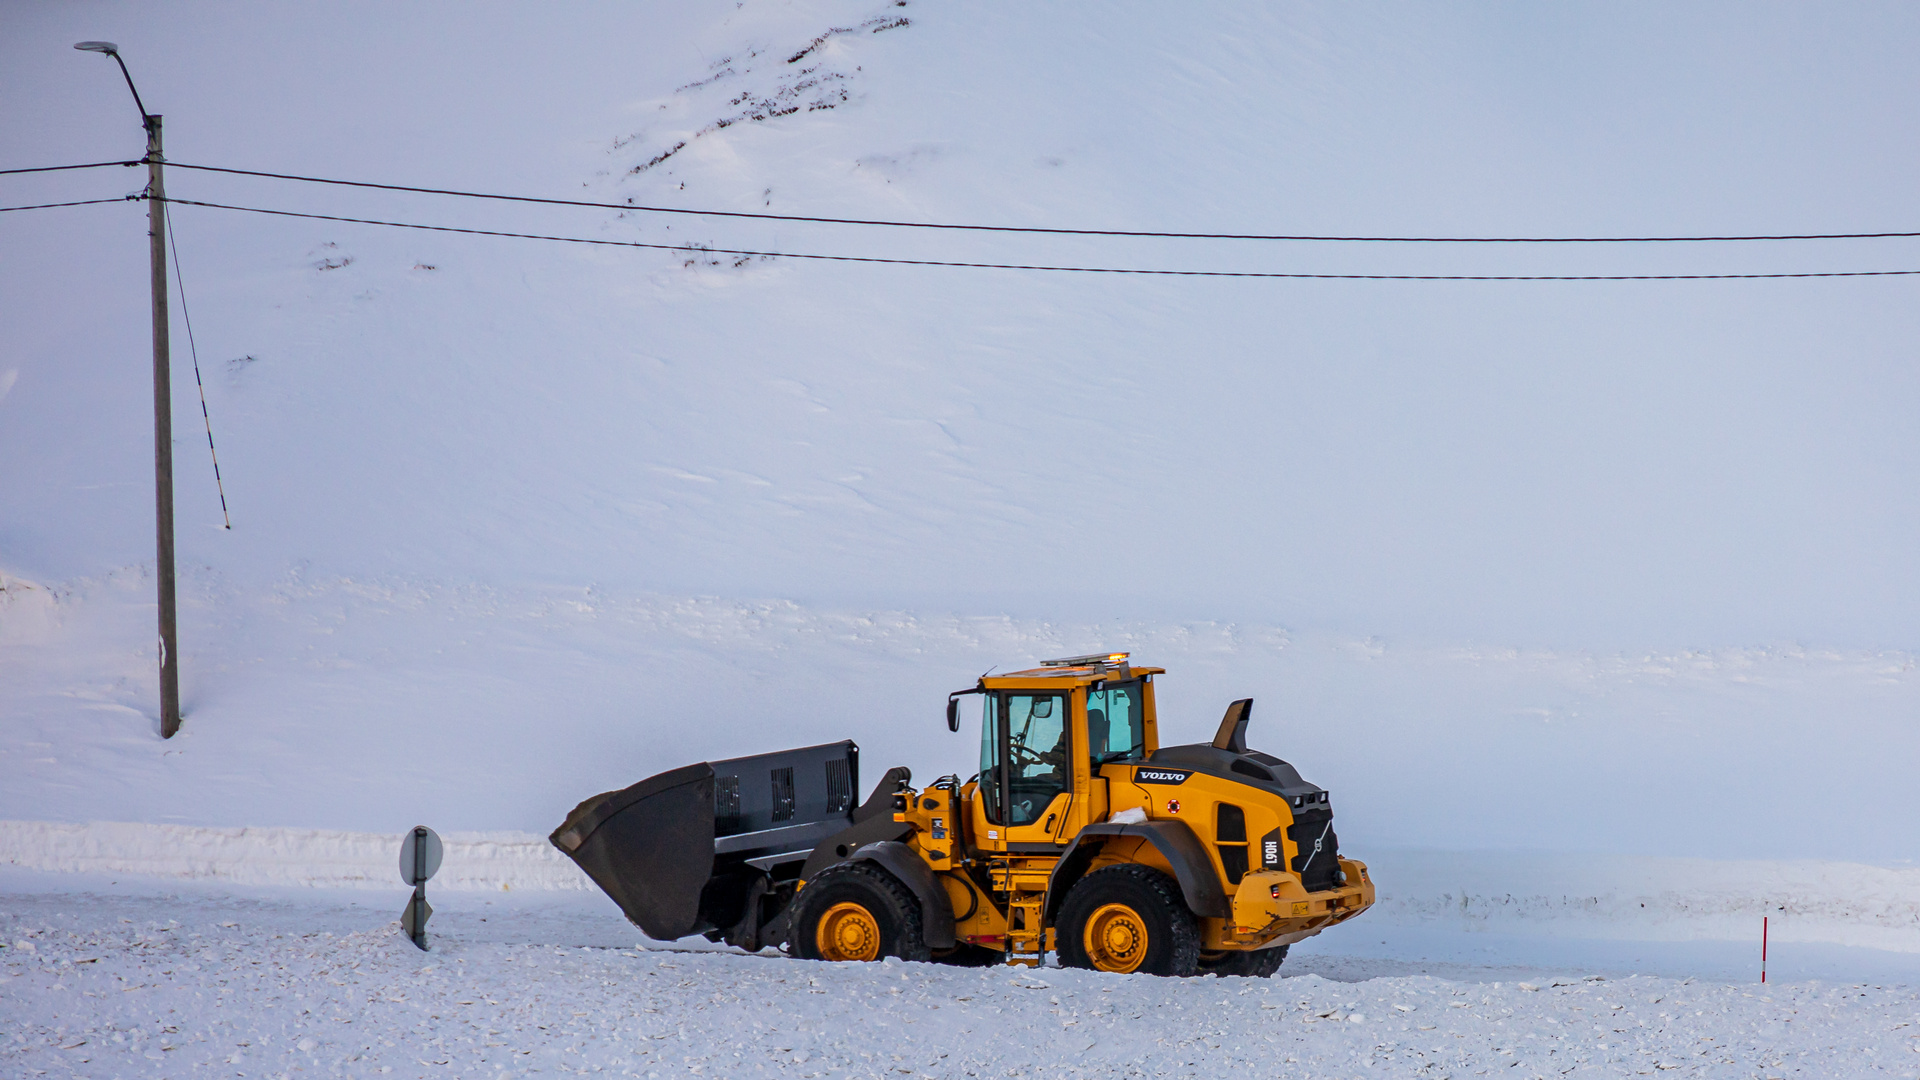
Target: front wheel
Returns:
[[1125, 919], [856, 911]]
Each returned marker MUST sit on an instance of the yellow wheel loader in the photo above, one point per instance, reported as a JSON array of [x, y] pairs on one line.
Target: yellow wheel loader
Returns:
[[1080, 835]]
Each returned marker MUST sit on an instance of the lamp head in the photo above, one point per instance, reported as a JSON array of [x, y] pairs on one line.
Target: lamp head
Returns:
[[107, 47]]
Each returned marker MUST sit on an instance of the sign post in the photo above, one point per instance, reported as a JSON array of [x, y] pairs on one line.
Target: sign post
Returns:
[[420, 856]]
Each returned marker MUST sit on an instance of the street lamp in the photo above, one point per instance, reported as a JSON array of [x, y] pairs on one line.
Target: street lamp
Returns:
[[162, 404]]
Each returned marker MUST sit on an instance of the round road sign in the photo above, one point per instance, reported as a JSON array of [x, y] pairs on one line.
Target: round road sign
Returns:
[[420, 855]]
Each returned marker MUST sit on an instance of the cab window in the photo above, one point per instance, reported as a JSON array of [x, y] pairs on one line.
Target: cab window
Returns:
[[1116, 730], [1024, 758]]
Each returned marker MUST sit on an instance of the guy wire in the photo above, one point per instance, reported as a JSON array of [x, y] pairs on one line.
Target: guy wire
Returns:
[[194, 349]]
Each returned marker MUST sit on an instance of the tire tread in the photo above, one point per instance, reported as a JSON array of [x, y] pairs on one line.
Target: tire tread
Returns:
[[912, 938], [1183, 932]]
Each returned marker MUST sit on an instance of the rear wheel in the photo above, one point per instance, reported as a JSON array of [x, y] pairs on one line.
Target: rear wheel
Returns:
[[1126, 919], [856, 911], [1259, 964]]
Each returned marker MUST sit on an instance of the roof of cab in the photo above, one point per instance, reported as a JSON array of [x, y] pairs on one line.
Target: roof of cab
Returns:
[[1077, 670]]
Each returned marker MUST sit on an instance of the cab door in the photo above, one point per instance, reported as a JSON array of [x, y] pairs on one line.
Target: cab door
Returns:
[[1027, 761], [1115, 732]]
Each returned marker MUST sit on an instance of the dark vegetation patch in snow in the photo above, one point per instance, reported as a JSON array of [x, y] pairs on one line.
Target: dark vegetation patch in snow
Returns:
[[328, 260], [871, 25], [701, 255], [814, 88], [810, 89], [661, 156]]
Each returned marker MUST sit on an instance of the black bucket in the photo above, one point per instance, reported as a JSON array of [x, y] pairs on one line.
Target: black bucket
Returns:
[[694, 850]]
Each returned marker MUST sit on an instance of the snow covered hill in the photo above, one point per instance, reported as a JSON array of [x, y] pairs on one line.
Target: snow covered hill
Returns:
[[1623, 465]]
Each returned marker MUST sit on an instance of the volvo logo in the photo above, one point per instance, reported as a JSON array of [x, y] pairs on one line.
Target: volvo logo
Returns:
[[1160, 776]]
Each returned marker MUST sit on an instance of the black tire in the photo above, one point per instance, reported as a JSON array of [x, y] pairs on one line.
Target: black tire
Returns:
[[1258, 964], [894, 913], [1172, 944]]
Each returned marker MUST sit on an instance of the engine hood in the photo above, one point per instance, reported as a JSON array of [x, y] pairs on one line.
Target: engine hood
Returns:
[[1249, 767]]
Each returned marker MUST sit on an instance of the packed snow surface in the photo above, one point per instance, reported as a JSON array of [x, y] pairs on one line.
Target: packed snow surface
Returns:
[[135, 987]]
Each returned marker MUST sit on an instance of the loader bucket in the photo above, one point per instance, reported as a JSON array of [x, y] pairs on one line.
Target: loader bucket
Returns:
[[691, 850], [649, 847]]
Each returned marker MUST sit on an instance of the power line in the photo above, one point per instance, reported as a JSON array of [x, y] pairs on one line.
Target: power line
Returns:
[[82, 202], [696, 249], [634, 207], [64, 168]]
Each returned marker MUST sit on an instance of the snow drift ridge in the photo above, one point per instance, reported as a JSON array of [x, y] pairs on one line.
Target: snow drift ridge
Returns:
[[320, 858]]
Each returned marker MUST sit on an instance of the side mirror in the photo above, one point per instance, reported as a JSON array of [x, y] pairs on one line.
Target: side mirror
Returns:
[[953, 706]]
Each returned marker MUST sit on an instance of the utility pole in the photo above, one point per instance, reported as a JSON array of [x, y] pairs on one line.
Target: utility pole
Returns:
[[162, 405], [162, 437]]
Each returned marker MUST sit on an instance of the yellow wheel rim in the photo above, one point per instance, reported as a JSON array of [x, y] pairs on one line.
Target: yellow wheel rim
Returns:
[[848, 932], [1116, 938]]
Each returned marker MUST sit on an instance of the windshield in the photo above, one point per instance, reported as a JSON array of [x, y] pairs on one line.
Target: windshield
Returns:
[[1023, 756]]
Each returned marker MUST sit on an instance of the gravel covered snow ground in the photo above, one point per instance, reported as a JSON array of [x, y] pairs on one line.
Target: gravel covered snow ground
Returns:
[[128, 986]]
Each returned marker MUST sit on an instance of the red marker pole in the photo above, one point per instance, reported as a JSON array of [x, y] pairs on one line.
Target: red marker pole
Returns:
[[1763, 948]]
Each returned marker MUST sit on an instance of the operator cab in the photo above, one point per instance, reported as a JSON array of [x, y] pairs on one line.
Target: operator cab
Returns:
[[1045, 735]]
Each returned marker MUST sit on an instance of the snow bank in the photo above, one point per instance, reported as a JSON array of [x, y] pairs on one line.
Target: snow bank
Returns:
[[373, 704], [303, 857], [1601, 896]]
